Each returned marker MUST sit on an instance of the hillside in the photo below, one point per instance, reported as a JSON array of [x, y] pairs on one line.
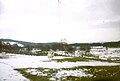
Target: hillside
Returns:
[[108, 44], [17, 41], [28, 43]]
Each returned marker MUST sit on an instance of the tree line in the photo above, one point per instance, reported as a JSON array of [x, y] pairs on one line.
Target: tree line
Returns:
[[7, 47], [105, 44]]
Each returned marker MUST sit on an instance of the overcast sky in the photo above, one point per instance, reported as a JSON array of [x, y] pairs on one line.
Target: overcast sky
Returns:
[[50, 21]]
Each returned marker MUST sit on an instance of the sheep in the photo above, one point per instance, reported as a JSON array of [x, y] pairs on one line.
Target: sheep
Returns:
[[50, 56], [109, 58], [3, 55]]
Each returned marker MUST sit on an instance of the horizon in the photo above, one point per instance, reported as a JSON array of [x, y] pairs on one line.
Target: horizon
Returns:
[[60, 41], [49, 20]]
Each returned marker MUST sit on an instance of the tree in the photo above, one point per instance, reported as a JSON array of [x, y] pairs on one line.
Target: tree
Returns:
[[1, 46], [29, 47], [85, 48]]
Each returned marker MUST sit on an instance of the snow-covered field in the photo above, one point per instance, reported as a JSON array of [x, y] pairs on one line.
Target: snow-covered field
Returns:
[[14, 61], [7, 73], [24, 61]]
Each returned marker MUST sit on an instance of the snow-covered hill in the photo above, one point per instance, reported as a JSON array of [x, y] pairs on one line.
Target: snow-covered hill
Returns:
[[13, 43]]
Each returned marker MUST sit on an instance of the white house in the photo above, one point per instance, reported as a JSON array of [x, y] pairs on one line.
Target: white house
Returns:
[[35, 50], [98, 50]]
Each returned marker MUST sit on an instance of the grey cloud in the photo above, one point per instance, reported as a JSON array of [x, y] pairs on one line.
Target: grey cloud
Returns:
[[95, 10], [115, 6], [108, 25]]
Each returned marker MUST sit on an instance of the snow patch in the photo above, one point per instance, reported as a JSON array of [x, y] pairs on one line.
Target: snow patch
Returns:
[[7, 73], [76, 73]]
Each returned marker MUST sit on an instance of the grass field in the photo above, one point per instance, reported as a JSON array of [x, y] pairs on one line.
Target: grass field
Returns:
[[76, 59], [95, 73], [79, 73]]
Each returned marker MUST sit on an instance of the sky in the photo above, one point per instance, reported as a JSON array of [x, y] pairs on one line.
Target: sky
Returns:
[[49, 20]]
